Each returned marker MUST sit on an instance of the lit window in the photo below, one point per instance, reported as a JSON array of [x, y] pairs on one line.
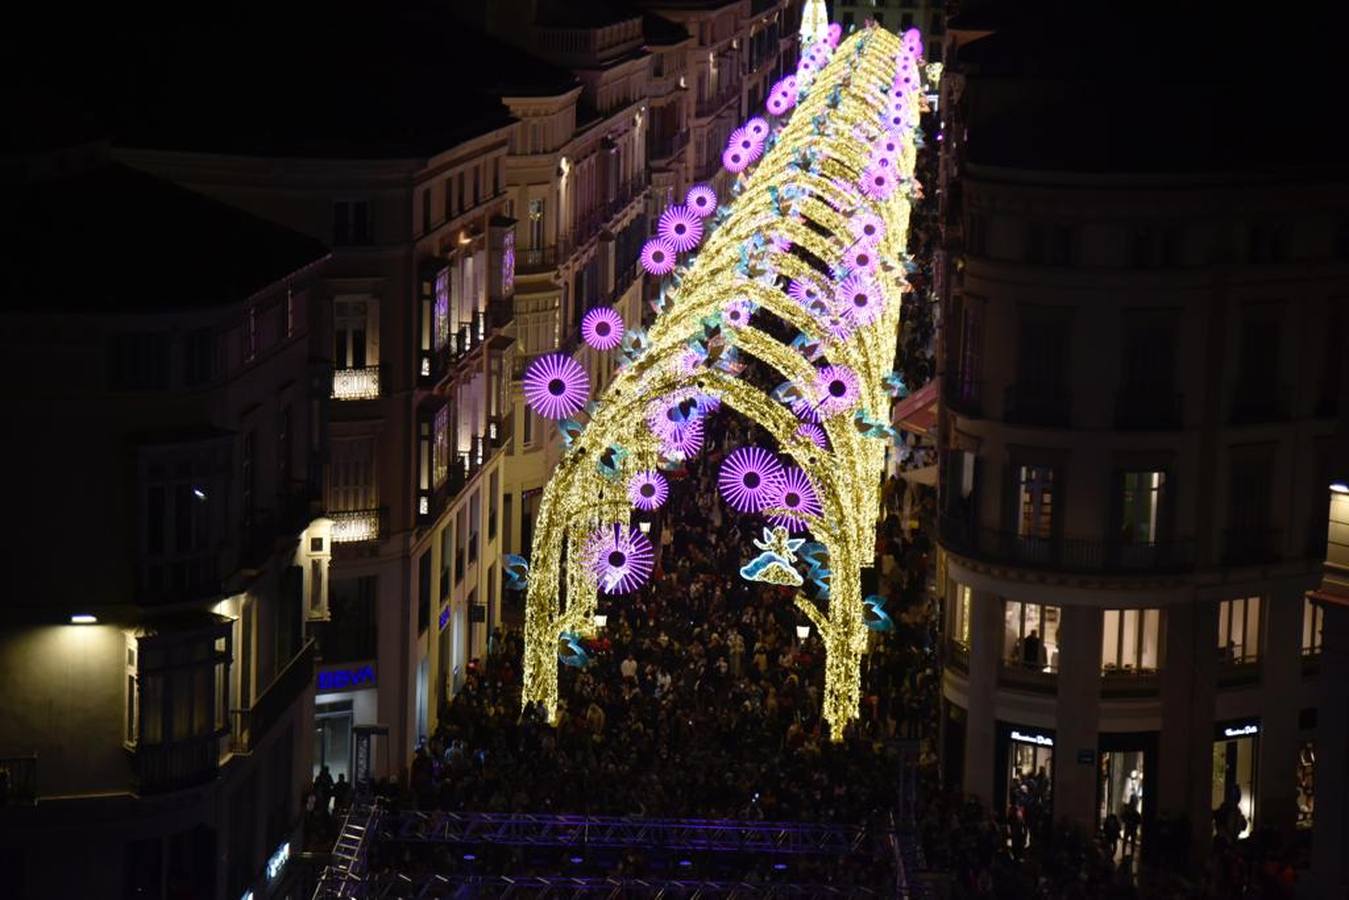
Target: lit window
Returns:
[[1036, 491], [960, 615], [1306, 784], [440, 448], [1130, 640], [1239, 630], [1312, 619], [1140, 501], [1031, 635], [441, 311]]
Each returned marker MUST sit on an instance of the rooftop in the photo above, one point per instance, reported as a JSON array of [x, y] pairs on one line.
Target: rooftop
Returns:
[[110, 238], [336, 80]]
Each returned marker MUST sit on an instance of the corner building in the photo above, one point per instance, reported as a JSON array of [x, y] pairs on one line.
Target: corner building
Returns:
[[1142, 385]]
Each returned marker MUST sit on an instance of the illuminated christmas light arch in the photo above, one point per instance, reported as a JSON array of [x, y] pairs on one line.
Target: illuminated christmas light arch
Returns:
[[802, 194]]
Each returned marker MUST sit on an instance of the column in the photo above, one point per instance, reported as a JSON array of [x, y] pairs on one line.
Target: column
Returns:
[[1280, 681], [1185, 745], [1077, 716], [1330, 851], [986, 625]]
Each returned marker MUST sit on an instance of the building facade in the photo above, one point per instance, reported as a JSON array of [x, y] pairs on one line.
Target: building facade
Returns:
[[928, 16], [160, 678], [1141, 409]]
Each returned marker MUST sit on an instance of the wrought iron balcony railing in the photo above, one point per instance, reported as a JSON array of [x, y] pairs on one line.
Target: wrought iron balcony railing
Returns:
[[356, 525], [1143, 408], [1252, 546], [1260, 401], [1066, 554], [174, 765], [360, 383], [249, 726]]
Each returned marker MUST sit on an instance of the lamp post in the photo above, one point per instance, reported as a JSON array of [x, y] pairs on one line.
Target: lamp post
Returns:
[[802, 633], [601, 620]]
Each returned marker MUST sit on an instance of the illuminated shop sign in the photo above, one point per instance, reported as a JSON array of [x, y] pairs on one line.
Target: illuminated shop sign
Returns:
[[341, 679], [277, 861], [1040, 740], [1234, 731]]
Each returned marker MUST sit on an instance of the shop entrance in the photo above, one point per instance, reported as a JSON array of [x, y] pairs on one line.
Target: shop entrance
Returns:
[[1123, 774], [1030, 780], [1235, 750], [332, 738]]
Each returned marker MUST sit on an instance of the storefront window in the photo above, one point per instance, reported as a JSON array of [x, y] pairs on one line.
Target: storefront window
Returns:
[[1030, 777], [1239, 630], [1129, 641], [1122, 798], [1235, 751], [960, 616], [1312, 617], [1306, 794], [1031, 635]]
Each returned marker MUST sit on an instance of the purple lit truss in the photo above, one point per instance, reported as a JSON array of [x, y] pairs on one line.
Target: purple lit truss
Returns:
[[602, 328], [793, 492], [556, 386], [680, 227], [701, 199], [648, 490], [621, 558], [748, 478], [658, 256], [836, 390], [861, 298]]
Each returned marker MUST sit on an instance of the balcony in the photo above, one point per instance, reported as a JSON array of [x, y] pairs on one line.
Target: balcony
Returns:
[[1013, 674], [1251, 546], [175, 765], [1144, 408], [1066, 554], [963, 396], [248, 727], [358, 525], [1260, 401], [535, 260], [1049, 405], [1123, 683], [436, 364], [664, 148], [356, 383], [713, 105], [18, 781]]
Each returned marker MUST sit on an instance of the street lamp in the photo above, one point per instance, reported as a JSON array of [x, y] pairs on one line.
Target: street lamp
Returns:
[[601, 620], [802, 632], [644, 527]]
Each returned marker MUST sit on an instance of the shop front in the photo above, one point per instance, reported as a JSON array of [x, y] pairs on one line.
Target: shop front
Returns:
[[1025, 773], [345, 696], [1236, 752], [1125, 762]]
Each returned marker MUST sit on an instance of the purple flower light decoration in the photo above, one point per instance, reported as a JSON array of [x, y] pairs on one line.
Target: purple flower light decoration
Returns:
[[813, 433], [688, 361], [838, 326], [735, 161], [805, 70], [867, 227], [837, 390], [777, 104], [701, 199], [556, 386], [602, 328], [737, 313], [658, 256], [748, 478], [913, 40], [780, 242], [878, 184], [648, 490], [741, 139], [861, 298], [834, 34], [862, 257], [757, 128], [794, 492], [687, 441], [621, 558], [803, 292], [789, 85], [681, 228]]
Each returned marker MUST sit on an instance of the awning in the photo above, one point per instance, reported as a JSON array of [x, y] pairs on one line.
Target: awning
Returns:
[[918, 411]]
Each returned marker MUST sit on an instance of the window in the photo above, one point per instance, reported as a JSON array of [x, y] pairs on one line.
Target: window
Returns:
[[1239, 630], [1130, 641], [251, 334], [960, 615], [976, 237], [1140, 503], [424, 591], [1035, 492], [1031, 635], [290, 313], [284, 450], [474, 521], [1306, 785], [1042, 355], [138, 362], [847, 22], [493, 488], [528, 427], [1049, 244], [440, 449], [905, 21], [449, 196], [426, 210], [351, 481], [180, 689], [460, 536], [199, 356], [536, 211], [446, 548], [1313, 617], [349, 334], [459, 189], [1149, 354], [248, 477], [132, 699], [477, 185], [507, 502], [351, 223], [1248, 511]]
